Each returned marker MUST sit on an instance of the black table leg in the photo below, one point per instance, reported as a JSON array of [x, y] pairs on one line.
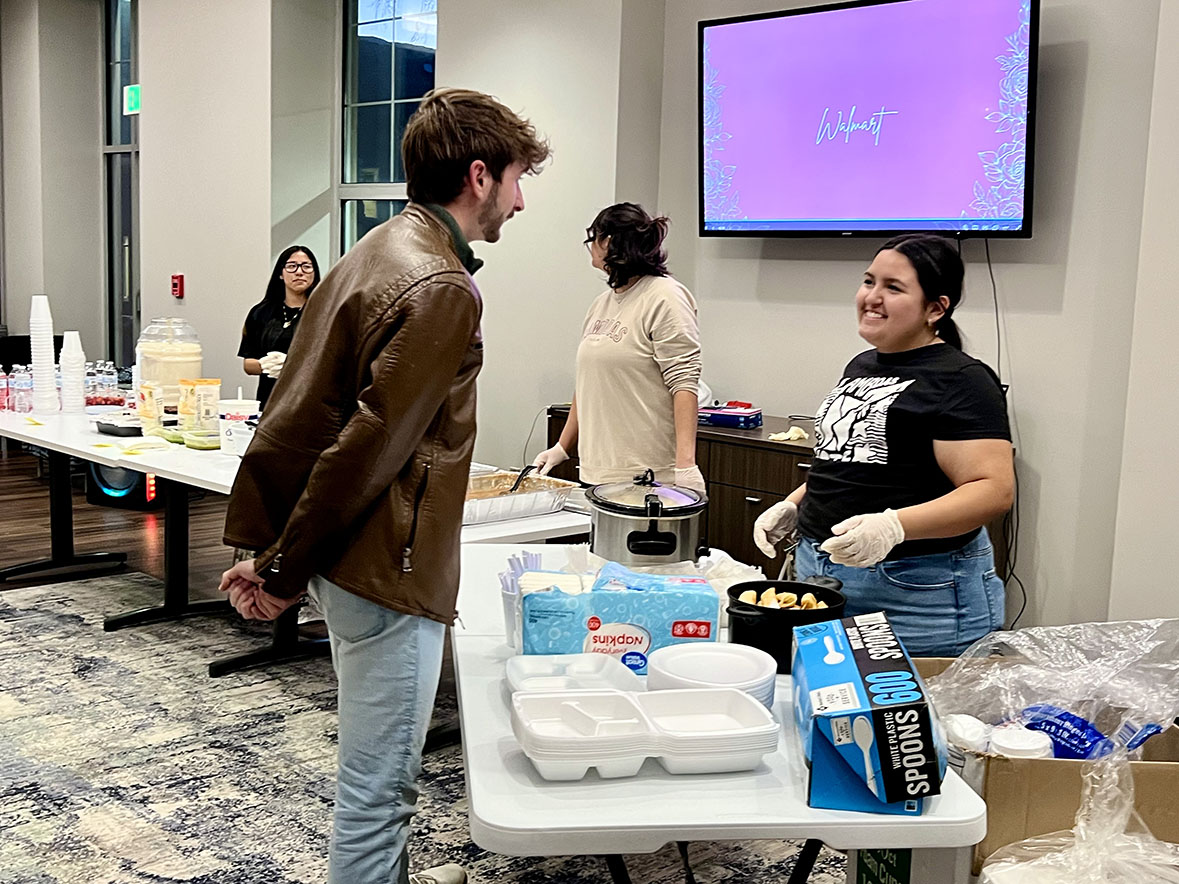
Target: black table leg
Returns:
[[63, 563], [176, 603], [285, 644], [617, 866], [805, 864]]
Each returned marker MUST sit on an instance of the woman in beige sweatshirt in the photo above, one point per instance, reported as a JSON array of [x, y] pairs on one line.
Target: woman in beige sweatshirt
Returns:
[[638, 364]]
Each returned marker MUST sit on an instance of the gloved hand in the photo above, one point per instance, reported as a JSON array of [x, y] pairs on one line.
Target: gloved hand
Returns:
[[272, 363], [775, 523], [862, 541], [549, 458], [690, 477]]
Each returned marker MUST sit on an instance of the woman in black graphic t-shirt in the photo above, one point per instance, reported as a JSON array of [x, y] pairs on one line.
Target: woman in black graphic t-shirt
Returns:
[[912, 457]]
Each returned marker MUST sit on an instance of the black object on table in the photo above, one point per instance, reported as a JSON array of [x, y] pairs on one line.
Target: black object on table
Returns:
[[63, 563], [285, 644], [177, 605]]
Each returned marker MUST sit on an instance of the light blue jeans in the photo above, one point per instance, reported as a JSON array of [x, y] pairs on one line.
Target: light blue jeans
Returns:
[[387, 666], [938, 604]]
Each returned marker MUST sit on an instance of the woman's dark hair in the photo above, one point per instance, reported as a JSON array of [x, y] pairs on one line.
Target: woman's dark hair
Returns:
[[940, 273], [636, 242], [276, 289]]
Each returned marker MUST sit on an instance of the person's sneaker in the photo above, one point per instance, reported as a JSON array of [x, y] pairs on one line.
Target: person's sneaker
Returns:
[[451, 873]]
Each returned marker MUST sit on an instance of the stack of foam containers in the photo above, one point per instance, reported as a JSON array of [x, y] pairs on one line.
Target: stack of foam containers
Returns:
[[73, 374], [565, 733], [41, 343]]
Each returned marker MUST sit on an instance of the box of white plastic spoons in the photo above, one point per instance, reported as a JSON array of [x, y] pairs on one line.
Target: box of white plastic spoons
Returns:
[[868, 730]]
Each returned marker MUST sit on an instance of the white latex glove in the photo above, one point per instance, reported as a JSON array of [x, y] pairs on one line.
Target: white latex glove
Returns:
[[862, 541], [690, 477], [774, 524], [549, 458], [272, 363]]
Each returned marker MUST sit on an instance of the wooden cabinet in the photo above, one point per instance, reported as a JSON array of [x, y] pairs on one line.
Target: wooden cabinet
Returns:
[[746, 474]]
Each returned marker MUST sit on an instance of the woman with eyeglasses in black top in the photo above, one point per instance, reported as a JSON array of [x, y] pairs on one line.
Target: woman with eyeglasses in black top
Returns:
[[270, 325]]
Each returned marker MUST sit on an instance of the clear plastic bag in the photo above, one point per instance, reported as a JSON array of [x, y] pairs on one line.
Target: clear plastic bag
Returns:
[[1100, 690], [1108, 846]]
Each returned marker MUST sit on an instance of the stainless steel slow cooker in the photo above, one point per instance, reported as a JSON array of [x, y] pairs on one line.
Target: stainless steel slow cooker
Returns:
[[645, 523]]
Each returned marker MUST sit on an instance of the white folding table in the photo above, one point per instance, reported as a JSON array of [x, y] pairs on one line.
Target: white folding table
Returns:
[[512, 810]]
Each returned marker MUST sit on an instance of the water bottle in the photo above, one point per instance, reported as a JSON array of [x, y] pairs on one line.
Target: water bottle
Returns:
[[91, 384], [24, 389], [112, 383], [3, 390]]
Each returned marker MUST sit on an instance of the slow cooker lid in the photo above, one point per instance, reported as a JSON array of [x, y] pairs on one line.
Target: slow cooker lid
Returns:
[[631, 498]]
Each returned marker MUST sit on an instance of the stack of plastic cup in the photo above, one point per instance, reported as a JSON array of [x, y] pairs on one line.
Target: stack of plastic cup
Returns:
[[41, 344], [73, 375]]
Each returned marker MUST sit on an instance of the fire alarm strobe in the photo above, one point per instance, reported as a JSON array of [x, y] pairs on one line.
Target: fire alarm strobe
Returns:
[[178, 286]]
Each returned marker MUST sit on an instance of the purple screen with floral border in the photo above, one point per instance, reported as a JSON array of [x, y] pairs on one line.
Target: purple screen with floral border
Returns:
[[902, 116]]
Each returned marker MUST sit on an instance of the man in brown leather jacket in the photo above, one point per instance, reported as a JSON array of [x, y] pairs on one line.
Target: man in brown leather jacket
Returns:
[[354, 484]]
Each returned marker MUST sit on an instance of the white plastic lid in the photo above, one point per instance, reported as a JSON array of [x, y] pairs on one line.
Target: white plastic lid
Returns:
[[1019, 742], [967, 732]]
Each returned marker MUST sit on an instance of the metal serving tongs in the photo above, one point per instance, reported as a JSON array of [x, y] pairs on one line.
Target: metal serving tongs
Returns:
[[788, 562], [520, 478]]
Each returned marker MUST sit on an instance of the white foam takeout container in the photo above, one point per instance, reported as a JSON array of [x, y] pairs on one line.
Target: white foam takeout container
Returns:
[[709, 730], [570, 672]]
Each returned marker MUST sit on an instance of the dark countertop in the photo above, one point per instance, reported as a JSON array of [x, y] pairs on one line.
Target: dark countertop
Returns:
[[758, 438]]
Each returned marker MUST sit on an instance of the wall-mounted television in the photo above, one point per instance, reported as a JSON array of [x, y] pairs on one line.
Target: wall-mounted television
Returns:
[[869, 118]]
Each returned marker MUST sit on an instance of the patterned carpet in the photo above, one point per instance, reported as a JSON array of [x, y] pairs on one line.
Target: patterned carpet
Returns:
[[122, 762]]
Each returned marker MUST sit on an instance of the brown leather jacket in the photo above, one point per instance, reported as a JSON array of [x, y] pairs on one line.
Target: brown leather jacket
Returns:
[[358, 470]]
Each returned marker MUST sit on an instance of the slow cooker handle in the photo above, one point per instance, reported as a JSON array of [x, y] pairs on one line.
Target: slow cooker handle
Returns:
[[654, 506]]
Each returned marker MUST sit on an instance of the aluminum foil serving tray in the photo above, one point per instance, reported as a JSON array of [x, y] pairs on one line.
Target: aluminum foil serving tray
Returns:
[[488, 500]]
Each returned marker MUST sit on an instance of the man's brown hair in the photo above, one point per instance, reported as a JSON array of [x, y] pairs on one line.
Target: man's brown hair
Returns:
[[455, 127]]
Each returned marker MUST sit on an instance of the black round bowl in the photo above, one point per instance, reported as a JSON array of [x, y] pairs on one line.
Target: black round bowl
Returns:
[[772, 629]]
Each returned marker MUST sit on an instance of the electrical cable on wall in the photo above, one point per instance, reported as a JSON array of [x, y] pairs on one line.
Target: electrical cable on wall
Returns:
[[1011, 519], [524, 454]]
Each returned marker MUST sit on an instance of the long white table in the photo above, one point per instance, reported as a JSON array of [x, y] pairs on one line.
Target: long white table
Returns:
[[512, 810], [177, 469]]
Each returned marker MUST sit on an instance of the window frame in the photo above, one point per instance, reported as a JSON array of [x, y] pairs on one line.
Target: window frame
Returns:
[[343, 192]]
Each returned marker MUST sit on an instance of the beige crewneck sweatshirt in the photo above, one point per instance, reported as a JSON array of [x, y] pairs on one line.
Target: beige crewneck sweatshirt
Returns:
[[637, 349]]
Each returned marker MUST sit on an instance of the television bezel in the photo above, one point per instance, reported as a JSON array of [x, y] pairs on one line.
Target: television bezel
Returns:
[[1025, 230]]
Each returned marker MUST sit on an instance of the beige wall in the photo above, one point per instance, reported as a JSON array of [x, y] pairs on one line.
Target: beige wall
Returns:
[[53, 202], [1148, 502], [777, 320], [205, 167], [302, 90], [24, 269], [558, 64]]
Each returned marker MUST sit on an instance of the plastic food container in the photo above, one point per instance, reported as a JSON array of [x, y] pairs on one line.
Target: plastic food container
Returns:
[[771, 629], [488, 500], [205, 440], [570, 672], [237, 419], [566, 733], [197, 408]]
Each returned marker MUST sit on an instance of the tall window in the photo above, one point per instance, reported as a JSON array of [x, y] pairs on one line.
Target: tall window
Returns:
[[121, 158], [388, 66]]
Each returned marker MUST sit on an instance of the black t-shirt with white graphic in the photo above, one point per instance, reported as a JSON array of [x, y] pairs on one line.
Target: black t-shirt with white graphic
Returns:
[[874, 436]]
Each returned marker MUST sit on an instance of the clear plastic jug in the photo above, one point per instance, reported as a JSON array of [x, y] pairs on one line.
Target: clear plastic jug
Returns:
[[168, 350]]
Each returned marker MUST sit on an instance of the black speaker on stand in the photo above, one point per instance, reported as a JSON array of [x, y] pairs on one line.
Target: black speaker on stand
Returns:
[[122, 489]]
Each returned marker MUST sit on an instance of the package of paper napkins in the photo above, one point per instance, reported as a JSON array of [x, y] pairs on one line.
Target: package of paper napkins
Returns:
[[619, 612]]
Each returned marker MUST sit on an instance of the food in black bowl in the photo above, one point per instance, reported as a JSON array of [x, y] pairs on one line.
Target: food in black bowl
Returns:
[[771, 629]]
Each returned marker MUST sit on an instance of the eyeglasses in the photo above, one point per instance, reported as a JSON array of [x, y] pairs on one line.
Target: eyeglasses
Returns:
[[292, 267]]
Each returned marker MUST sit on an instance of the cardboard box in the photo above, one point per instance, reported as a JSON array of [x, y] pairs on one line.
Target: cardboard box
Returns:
[[1027, 797], [863, 718]]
